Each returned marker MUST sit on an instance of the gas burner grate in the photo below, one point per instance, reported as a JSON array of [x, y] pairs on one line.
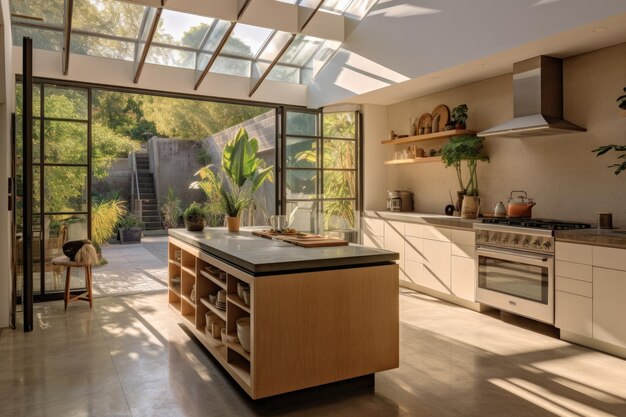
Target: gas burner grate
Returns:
[[537, 223]]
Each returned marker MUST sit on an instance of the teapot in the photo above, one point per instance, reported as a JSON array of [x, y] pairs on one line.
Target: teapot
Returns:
[[499, 210], [520, 205]]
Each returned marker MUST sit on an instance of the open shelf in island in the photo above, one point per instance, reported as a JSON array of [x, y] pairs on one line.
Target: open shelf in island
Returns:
[[293, 333]]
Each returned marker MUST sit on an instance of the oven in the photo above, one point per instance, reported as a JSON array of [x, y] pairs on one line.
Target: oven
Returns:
[[516, 279]]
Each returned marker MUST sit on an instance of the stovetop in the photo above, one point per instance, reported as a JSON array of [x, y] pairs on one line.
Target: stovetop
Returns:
[[547, 224]]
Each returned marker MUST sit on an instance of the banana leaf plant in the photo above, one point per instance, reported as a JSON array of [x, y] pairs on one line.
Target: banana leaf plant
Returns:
[[242, 174]]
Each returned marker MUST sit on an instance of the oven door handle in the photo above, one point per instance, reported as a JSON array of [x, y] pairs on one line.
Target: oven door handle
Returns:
[[510, 253]]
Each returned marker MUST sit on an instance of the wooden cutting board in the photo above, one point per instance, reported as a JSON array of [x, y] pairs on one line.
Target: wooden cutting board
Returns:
[[307, 241]]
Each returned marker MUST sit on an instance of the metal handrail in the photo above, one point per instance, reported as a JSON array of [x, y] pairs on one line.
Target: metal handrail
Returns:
[[136, 182]]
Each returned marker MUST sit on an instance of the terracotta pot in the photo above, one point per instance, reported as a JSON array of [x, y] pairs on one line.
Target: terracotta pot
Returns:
[[459, 126], [233, 223]]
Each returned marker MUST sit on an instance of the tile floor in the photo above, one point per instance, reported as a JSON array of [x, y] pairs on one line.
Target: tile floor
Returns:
[[130, 357]]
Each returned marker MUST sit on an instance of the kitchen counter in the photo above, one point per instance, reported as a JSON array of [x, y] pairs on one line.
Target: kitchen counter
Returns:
[[612, 238], [257, 256], [424, 218]]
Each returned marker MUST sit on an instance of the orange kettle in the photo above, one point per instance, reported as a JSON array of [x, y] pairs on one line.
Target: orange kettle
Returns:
[[519, 205]]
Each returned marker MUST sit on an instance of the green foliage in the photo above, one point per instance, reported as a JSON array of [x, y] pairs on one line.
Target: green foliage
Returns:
[[223, 195], [194, 213], [123, 113], [459, 114], [171, 209], [466, 149], [105, 216], [617, 148], [129, 220], [241, 163], [195, 119], [621, 166]]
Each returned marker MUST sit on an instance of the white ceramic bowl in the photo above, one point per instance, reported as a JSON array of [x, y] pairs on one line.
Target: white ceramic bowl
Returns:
[[240, 288], [221, 296], [243, 332]]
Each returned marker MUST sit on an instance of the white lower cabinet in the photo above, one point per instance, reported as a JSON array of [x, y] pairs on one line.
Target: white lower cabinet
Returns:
[[573, 313], [373, 241], [436, 274], [609, 306], [394, 241], [462, 277]]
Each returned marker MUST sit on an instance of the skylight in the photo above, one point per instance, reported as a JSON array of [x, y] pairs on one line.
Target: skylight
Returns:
[[119, 30]]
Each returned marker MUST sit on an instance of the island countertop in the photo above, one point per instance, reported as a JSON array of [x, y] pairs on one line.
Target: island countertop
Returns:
[[259, 256]]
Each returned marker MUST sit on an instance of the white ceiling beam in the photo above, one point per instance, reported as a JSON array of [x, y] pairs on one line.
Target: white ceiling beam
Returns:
[[260, 70]]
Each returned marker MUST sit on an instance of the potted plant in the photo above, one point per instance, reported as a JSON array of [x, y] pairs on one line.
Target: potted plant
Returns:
[[466, 150], [195, 217], [242, 174], [459, 115], [130, 228], [171, 210]]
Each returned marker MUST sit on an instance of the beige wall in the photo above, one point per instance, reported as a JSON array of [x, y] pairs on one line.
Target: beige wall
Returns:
[[562, 174]]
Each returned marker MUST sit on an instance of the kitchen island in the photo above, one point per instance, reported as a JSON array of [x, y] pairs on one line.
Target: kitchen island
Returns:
[[317, 315]]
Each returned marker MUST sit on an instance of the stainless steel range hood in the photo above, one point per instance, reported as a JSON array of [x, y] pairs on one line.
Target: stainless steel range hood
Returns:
[[537, 101]]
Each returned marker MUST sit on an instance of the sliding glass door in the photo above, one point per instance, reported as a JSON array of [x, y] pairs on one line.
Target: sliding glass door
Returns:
[[60, 182]]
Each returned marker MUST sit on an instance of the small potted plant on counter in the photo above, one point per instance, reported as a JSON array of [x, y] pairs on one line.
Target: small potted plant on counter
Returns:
[[130, 229], [459, 115], [468, 149], [195, 217]]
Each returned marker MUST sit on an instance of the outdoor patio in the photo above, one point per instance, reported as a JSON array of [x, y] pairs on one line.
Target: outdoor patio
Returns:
[[132, 269]]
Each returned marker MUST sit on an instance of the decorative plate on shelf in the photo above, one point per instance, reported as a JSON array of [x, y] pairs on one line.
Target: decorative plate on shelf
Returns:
[[444, 116], [424, 121]]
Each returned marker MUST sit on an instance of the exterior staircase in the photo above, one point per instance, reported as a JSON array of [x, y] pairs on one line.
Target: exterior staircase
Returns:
[[150, 213]]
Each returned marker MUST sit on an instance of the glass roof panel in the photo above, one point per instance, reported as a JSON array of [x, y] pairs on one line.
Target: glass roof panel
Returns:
[[301, 50], [274, 46], [102, 47], [246, 41], [171, 57], [50, 40], [232, 66], [182, 29], [336, 6], [112, 17], [285, 74], [50, 11]]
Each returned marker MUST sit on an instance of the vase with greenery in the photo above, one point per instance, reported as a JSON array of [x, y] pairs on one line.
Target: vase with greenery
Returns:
[[195, 217], [242, 174], [460, 151], [171, 210], [130, 228], [620, 166], [459, 115]]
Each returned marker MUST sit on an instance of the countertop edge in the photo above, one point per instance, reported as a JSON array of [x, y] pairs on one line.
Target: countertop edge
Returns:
[[290, 266], [423, 218]]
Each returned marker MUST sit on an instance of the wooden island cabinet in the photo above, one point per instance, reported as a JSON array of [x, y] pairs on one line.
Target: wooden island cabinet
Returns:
[[317, 315]]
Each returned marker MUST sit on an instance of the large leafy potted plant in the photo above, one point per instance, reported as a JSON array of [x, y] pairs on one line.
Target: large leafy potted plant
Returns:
[[242, 174], [464, 150], [130, 228]]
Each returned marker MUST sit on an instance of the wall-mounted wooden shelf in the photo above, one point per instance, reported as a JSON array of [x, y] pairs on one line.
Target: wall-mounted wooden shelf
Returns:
[[430, 136], [413, 160]]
